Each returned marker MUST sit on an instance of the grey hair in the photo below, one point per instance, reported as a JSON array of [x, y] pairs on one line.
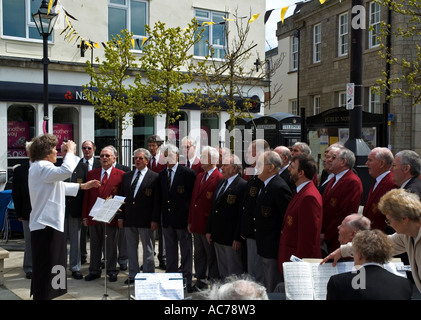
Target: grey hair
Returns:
[[191, 139], [411, 158], [384, 154], [303, 146], [348, 155], [171, 148], [273, 157], [145, 152], [214, 154], [236, 288], [359, 223]]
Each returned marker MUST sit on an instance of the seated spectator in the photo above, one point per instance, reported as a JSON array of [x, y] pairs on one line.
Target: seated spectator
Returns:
[[236, 288], [371, 249]]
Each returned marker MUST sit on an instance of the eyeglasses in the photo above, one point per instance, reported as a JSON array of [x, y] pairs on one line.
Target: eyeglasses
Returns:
[[86, 148], [139, 158], [105, 156], [387, 221]]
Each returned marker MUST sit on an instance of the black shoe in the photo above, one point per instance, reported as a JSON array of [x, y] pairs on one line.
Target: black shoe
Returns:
[[28, 275], [200, 285], [92, 276], [128, 280], [191, 289], [83, 260], [123, 267], [162, 266], [77, 275], [112, 277]]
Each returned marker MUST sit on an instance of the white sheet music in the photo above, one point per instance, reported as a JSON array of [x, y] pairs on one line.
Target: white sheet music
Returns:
[[308, 280], [159, 286], [299, 285], [105, 212]]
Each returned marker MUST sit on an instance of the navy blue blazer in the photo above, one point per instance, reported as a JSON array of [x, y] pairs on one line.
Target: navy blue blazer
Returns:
[[145, 207], [380, 284], [175, 203]]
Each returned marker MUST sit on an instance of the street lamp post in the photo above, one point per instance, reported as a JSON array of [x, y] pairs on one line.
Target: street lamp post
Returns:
[[355, 142], [45, 21]]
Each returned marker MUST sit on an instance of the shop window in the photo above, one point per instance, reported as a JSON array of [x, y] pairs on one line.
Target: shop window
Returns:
[[208, 123], [65, 125], [143, 127], [20, 129]]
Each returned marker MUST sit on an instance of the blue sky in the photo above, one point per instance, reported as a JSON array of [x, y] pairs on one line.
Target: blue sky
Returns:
[[271, 41]]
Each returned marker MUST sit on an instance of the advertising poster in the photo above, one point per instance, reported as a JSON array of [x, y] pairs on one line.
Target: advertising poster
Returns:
[[62, 131], [17, 135]]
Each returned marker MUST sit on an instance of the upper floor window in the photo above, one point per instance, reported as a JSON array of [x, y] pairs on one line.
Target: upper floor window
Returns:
[[374, 25], [317, 43], [374, 103], [342, 99], [213, 36], [128, 14], [294, 53], [316, 105], [17, 19], [343, 35]]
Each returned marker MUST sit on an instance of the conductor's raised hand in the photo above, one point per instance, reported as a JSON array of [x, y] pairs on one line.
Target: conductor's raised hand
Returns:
[[335, 255], [90, 184]]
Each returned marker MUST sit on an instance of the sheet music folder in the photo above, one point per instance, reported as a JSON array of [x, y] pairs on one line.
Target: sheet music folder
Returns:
[[104, 210], [159, 286]]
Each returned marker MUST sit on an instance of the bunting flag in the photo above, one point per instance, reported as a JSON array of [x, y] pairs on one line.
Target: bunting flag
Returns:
[[254, 17], [283, 12], [267, 14], [322, 1], [50, 4]]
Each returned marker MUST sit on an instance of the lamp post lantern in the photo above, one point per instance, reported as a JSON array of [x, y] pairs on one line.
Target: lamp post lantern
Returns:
[[45, 21]]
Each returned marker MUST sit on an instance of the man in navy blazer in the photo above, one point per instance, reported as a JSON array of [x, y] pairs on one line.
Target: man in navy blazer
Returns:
[[271, 205], [140, 215], [177, 183], [372, 249], [223, 226]]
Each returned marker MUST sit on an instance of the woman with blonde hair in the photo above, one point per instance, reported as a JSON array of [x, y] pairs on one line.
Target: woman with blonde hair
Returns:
[[402, 210]]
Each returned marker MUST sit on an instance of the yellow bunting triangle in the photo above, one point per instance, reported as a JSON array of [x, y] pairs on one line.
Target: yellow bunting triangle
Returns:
[[133, 43], [322, 1], [254, 17], [208, 23], [50, 4], [283, 12], [143, 41]]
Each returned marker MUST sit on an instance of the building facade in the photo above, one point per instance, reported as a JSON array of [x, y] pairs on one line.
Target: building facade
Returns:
[[70, 115], [323, 32]]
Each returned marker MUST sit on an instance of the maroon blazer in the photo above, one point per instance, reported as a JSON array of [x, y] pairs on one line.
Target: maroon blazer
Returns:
[[196, 166], [302, 225], [201, 201], [370, 208], [112, 188], [159, 164], [338, 202]]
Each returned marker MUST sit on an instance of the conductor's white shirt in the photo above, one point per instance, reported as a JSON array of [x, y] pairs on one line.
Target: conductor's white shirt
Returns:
[[48, 192]]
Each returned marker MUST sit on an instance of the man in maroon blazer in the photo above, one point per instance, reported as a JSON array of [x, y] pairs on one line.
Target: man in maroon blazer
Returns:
[[341, 197], [200, 205], [188, 150], [157, 162], [303, 219], [379, 164], [110, 178]]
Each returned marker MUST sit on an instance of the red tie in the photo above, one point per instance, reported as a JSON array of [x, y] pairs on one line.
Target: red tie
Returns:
[[104, 179], [153, 164]]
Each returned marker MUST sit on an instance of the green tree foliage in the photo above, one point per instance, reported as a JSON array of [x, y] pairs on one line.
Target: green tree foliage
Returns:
[[166, 62], [408, 83], [108, 90], [228, 81]]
